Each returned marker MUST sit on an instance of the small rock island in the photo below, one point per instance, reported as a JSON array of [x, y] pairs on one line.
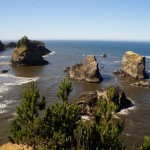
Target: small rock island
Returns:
[[134, 65], [2, 46], [29, 53], [87, 71]]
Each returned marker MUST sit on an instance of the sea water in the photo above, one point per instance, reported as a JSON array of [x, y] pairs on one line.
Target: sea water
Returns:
[[48, 77]]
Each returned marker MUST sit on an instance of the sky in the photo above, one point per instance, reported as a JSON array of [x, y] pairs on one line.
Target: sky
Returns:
[[120, 20]]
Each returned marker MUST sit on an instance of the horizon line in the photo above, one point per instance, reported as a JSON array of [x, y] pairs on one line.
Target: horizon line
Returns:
[[103, 40]]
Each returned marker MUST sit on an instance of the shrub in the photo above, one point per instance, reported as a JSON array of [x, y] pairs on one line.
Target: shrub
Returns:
[[146, 144], [110, 92]]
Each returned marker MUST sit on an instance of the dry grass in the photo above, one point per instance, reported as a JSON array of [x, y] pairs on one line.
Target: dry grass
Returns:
[[10, 146]]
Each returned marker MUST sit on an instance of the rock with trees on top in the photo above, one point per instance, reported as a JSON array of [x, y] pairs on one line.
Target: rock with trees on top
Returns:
[[28, 53], [88, 100], [10, 45]]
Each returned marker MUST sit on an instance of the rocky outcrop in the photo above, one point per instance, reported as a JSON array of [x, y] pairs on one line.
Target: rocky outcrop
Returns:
[[145, 84], [10, 45], [40, 47], [87, 71], [4, 71], [88, 100], [66, 69], [27, 54], [133, 65], [2, 46]]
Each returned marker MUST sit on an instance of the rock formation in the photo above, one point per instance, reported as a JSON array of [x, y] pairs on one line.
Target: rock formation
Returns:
[[87, 71], [40, 46], [145, 84], [134, 65], [88, 100], [2, 46], [10, 45], [27, 54]]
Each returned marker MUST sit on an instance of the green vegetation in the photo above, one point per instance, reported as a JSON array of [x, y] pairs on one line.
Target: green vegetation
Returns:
[[24, 42], [61, 127], [146, 144], [110, 92], [26, 126]]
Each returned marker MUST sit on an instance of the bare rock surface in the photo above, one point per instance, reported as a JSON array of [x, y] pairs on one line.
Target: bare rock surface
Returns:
[[87, 71], [145, 84], [134, 65]]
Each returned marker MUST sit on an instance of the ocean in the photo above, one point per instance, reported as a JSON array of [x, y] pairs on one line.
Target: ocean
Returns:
[[48, 77]]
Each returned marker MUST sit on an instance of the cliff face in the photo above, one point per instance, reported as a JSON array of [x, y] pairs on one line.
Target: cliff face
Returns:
[[27, 57], [87, 71], [2, 46], [133, 65]]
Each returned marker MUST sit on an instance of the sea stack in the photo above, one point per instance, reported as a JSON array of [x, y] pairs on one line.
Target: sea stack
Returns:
[[134, 65], [2, 46], [27, 53], [89, 100], [87, 71]]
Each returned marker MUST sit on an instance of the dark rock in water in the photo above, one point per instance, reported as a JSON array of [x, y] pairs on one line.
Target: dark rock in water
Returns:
[[40, 47], [134, 65], [11, 45], [103, 55], [87, 71], [145, 84], [27, 54], [4, 71], [66, 69], [2, 46], [88, 100], [116, 72]]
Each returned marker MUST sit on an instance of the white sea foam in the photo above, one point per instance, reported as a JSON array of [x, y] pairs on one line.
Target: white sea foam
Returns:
[[52, 53], [7, 82], [147, 56], [4, 105], [3, 57], [2, 108], [116, 61], [126, 111]]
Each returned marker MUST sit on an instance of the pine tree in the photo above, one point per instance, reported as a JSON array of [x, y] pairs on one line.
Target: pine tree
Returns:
[[26, 127], [64, 90], [61, 120], [101, 133]]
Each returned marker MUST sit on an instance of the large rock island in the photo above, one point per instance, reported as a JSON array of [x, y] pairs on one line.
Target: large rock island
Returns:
[[134, 65], [87, 71], [2, 46], [29, 53]]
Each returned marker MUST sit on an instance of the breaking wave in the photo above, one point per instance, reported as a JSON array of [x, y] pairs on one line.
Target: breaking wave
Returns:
[[7, 82]]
